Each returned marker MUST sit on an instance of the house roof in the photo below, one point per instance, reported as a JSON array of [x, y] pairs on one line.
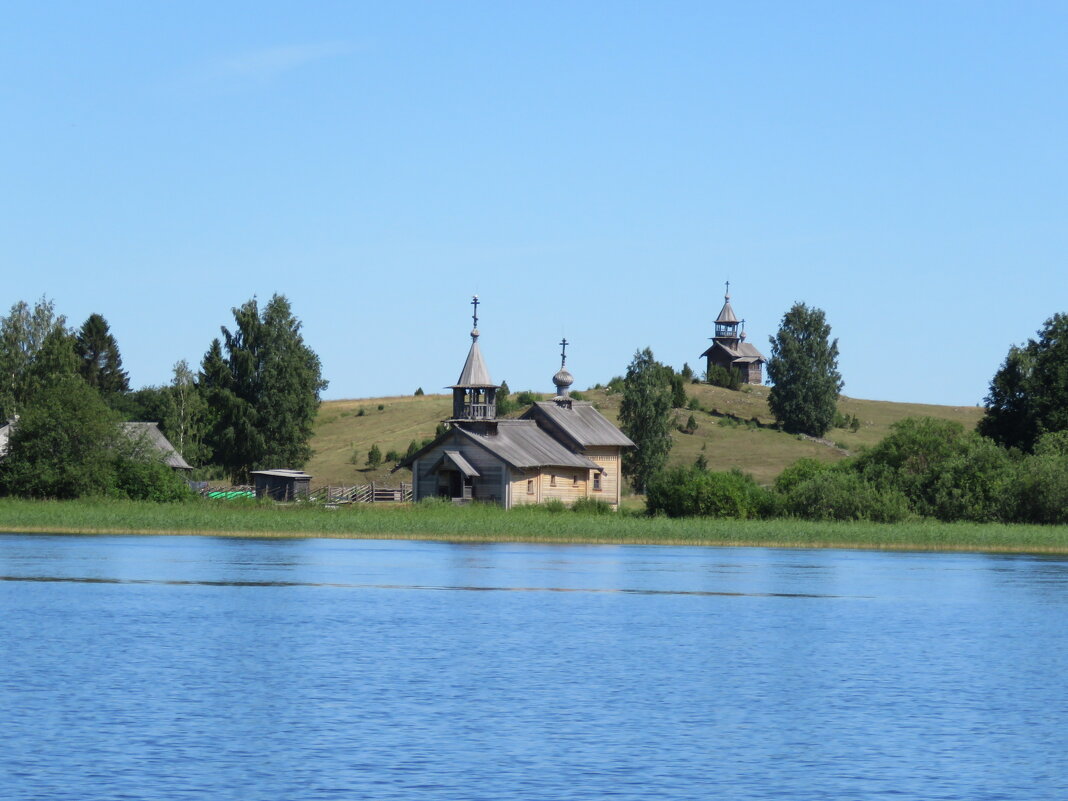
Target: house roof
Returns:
[[743, 352], [280, 473], [150, 434], [474, 375], [522, 443], [586, 426]]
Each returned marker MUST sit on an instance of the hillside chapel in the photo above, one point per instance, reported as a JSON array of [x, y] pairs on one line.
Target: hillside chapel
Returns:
[[560, 449], [729, 348]]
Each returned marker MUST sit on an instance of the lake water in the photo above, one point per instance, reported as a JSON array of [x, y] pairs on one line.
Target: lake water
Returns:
[[213, 668]]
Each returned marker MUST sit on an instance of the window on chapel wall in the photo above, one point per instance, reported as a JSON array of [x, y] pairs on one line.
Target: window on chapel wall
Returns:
[[596, 482], [574, 480], [552, 480], [530, 486]]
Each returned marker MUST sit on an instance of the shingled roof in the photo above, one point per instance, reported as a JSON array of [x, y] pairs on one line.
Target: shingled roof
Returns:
[[726, 314], [150, 434], [474, 375], [580, 422], [743, 352], [520, 443]]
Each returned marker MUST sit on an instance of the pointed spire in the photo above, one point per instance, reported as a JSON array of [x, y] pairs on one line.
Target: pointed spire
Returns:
[[474, 373], [474, 394]]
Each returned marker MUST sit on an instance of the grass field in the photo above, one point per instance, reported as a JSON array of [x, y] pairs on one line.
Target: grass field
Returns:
[[480, 523], [341, 432]]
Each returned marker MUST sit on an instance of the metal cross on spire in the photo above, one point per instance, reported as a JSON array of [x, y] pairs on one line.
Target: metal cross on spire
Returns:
[[727, 294], [563, 353], [474, 317]]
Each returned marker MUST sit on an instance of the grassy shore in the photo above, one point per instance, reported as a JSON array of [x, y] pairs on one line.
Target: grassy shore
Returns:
[[491, 524]]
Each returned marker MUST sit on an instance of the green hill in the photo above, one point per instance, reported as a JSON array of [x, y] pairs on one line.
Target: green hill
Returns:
[[734, 429]]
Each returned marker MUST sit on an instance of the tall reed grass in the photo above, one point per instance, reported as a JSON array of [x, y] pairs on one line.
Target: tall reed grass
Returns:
[[480, 523]]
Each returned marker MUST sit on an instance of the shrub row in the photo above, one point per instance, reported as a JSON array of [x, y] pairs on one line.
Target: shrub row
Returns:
[[923, 468]]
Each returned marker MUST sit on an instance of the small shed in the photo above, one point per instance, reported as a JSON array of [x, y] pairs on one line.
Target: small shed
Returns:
[[281, 485]]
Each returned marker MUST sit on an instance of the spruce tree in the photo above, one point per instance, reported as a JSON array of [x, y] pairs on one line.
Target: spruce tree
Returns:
[[99, 362], [803, 369]]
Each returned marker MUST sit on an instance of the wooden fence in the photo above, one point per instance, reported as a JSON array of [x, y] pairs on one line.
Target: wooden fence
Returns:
[[363, 493], [360, 493]]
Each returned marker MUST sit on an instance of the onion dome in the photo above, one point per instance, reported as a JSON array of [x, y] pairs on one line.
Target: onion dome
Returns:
[[563, 381]]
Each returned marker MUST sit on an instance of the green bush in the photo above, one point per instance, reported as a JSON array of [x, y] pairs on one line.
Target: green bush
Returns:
[[693, 492], [374, 456], [591, 506], [722, 377], [1040, 493], [1053, 444], [527, 398], [975, 484], [150, 480], [844, 495], [554, 506], [912, 457], [798, 472]]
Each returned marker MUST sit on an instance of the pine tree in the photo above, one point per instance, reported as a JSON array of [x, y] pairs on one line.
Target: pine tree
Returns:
[[803, 369], [99, 362], [645, 417]]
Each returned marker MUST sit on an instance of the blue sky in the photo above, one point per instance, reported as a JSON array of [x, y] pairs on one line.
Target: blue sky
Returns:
[[591, 170]]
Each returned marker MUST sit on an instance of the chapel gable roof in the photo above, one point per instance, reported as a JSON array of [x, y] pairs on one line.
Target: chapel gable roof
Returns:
[[520, 443], [743, 352], [580, 422], [523, 444]]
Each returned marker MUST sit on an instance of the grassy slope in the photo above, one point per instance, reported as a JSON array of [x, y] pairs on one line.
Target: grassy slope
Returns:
[[763, 452]]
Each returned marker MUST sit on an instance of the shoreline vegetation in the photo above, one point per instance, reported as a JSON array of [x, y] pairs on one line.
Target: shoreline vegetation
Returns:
[[489, 524]]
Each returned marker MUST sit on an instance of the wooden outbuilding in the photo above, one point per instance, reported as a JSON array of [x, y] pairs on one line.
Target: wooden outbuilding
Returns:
[[145, 437], [281, 485], [559, 449], [149, 437], [729, 349]]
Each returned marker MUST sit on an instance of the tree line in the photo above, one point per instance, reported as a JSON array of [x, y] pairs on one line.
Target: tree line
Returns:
[[1013, 468], [250, 405]]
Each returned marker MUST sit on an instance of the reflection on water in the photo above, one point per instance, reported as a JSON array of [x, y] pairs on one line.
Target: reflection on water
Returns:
[[182, 668], [177, 582]]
